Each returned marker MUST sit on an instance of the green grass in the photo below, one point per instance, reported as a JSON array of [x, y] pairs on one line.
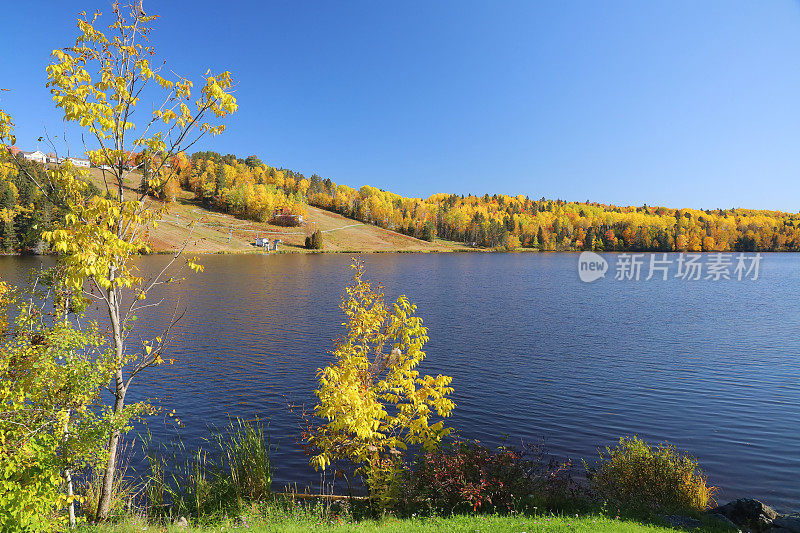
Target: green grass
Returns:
[[456, 523], [296, 522]]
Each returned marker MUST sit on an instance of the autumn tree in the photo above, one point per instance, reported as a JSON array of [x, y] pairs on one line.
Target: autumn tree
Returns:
[[373, 402], [99, 83]]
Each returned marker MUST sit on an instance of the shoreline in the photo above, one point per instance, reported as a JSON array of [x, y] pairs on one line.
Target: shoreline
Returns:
[[401, 251]]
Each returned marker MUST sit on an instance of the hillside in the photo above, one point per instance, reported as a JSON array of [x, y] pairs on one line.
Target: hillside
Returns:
[[496, 222], [221, 233]]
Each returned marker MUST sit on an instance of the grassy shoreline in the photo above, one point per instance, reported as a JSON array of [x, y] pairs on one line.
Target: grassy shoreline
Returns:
[[465, 523], [227, 487], [269, 517]]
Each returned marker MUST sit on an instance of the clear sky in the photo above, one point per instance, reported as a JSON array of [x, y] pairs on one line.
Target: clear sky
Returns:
[[677, 103]]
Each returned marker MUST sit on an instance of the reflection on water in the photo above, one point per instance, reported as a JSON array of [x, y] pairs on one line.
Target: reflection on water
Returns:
[[712, 367]]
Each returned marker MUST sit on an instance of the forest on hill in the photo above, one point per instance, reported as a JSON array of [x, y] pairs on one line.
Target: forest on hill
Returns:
[[24, 210], [250, 189]]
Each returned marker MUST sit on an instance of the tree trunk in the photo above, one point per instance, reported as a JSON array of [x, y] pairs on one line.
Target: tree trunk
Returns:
[[107, 486], [68, 479], [70, 495]]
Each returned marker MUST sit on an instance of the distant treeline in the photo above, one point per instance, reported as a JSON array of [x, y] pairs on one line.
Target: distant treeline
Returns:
[[248, 188], [498, 221]]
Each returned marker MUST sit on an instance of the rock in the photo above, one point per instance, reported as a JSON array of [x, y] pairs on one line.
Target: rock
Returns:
[[676, 520], [724, 522], [338, 507], [181, 522], [789, 523], [747, 514]]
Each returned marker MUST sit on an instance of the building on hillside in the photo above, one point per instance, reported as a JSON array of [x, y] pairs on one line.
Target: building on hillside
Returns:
[[282, 217], [37, 156], [79, 162]]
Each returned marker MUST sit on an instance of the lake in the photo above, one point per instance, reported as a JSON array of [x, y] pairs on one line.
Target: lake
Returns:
[[711, 366]]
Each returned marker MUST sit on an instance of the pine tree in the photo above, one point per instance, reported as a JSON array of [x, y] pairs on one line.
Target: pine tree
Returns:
[[9, 237], [7, 202], [315, 241]]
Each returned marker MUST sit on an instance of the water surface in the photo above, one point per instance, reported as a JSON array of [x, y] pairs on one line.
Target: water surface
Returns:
[[710, 366]]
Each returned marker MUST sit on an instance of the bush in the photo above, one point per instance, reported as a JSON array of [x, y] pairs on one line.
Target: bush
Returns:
[[470, 477], [123, 489], [314, 242], [639, 476], [246, 453], [51, 376]]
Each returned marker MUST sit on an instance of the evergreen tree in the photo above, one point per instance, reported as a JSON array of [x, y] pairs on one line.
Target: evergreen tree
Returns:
[[315, 242], [252, 161], [7, 203], [9, 243], [428, 231]]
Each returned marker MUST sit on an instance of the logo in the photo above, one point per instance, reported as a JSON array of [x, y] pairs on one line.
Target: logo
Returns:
[[591, 267]]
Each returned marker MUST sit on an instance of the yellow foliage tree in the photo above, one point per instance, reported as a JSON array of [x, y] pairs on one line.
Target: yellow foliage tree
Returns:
[[372, 399], [98, 83]]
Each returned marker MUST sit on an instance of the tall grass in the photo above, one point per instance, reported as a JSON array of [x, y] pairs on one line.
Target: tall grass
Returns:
[[229, 471], [245, 450], [123, 490]]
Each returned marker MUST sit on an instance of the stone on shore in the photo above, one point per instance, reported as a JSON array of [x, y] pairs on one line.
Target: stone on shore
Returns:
[[723, 522], [680, 521], [789, 523], [748, 514]]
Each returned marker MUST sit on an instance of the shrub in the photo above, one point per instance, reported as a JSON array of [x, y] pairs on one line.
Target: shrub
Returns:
[[468, 476], [245, 450], [51, 376], [286, 219], [639, 476], [314, 241], [123, 489]]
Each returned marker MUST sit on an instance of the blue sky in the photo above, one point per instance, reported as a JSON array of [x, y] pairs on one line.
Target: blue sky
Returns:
[[677, 103]]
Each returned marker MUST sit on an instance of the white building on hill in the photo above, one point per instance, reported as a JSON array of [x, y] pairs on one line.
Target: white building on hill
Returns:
[[37, 156], [79, 162]]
